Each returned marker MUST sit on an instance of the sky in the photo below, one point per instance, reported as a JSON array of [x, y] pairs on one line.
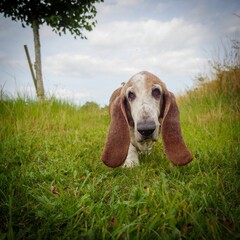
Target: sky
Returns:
[[172, 39]]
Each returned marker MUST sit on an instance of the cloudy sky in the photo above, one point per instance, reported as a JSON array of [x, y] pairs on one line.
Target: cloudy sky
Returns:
[[172, 39]]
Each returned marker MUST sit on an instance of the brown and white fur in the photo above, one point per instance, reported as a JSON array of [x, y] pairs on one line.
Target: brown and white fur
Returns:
[[140, 110]]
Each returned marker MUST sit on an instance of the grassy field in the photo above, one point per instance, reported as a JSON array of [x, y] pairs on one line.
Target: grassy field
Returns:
[[54, 186]]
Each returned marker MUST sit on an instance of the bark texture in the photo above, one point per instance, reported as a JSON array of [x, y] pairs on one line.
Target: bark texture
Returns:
[[38, 63]]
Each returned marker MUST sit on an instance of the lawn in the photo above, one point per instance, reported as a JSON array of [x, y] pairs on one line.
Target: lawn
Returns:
[[54, 186]]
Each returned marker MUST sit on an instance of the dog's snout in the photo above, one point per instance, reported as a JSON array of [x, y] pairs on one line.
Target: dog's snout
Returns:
[[146, 128]]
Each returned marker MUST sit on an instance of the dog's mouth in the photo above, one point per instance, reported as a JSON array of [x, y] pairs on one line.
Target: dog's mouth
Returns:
[[150, 138], [144, 146]]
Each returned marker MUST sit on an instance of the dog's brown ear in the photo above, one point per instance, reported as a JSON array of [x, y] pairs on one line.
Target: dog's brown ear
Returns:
[[174, 145], [118, 140]]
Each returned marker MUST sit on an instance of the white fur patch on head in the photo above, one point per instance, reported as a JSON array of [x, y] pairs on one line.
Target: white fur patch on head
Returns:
[[139, 77]]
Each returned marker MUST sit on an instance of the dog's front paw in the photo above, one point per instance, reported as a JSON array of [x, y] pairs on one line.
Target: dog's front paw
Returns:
[[130, 163]]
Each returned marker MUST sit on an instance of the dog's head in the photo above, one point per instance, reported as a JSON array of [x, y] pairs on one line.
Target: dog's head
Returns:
[[143, 99], [138, 112]]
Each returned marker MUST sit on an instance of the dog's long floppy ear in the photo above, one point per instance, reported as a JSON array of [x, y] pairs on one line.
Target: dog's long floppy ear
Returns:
[[174, 145], [118, 140]]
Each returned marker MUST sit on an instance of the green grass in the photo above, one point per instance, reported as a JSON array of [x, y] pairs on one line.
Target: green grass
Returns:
[[54, 186]]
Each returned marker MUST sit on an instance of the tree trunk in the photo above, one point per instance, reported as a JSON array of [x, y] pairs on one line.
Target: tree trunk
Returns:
[[38, 64]]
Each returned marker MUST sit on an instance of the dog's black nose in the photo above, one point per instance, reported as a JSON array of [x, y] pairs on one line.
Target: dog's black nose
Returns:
[[146, 128]]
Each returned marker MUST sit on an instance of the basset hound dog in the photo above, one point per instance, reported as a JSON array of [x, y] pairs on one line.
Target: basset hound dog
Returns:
[[139, 111]]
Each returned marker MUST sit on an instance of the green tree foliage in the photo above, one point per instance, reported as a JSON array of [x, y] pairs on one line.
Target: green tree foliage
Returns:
[[74, 16]]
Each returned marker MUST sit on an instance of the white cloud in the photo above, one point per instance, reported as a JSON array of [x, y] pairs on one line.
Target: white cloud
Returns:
[[81, 66], [120, 47], [146, 34]]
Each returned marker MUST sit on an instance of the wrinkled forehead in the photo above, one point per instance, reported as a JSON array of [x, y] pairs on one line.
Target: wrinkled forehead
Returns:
[[143, 82]]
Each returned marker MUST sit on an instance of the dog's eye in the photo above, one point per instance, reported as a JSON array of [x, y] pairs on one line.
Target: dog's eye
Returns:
[[156, 93], [131, 96]]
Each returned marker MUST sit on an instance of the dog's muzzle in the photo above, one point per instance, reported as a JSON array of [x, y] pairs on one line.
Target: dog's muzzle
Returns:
[[146, 129]]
